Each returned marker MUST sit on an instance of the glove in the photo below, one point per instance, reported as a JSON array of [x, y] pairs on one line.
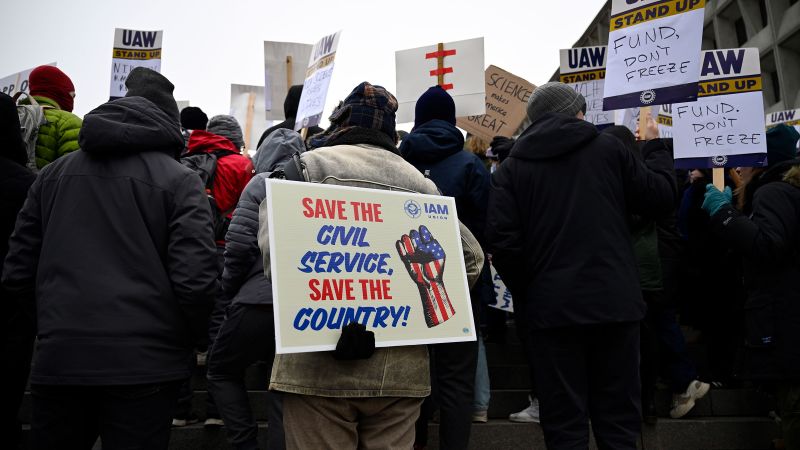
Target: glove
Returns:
[[355, 343], [715, 200], [501, 146]]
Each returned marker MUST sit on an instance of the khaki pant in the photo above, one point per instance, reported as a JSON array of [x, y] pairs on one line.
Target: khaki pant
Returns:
[[312, 422]]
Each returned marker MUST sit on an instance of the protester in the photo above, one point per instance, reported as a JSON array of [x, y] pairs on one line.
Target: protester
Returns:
[[363, 399], [54, 91], [436, 148], [558, 236], [290, 105], [764, 230], [18, 328], [113, 254]]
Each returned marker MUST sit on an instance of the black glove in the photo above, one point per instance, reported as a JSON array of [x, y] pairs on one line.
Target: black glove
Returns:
[[355, 343], [501, 146]]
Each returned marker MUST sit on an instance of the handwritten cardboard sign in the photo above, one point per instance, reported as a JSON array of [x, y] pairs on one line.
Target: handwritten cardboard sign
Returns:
[[462, 75], [317, 81], [584, 69], [17, 82], [132, 49], [653, 52], [725, 126], [390, 260], [506, 101], [282, 61]]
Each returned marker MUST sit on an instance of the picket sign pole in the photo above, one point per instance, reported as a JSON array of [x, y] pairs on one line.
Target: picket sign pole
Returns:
[[248, 127], [719, 177], [440, 63], [644, 113], [288, 72], [304, 133]]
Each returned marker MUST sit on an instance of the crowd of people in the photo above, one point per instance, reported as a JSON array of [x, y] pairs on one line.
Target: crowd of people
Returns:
[[135, 247]]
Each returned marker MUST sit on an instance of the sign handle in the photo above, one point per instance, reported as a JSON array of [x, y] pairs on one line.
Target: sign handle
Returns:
[[248, 127], [440, 63], [304, 133], [288, 72], [719, 178], [644, 114]]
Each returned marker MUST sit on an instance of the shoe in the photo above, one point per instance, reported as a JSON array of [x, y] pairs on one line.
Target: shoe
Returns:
[[185, 421], [480, 416], [683, 403], [213, 422], [202, 357], [527, 415]]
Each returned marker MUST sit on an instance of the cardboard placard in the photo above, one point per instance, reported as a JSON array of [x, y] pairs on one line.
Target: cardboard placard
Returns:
[[725, 126], [132, 49], [390, 260], [653, 52], [17, 82], [462, 74], [584, 69], [246, 104], [317, 79], [282, 61], [506, 101]]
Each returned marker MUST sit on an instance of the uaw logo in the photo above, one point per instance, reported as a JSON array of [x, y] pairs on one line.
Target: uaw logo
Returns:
[[412, 209], [719, 161], [647, 97]]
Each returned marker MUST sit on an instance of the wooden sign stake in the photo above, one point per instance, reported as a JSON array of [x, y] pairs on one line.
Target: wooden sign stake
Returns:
[[248, 127], [719, 178], [288, 72], [644, 114], [440, 63]]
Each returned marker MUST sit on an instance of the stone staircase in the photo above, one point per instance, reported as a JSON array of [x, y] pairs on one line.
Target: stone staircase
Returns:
[[727, 419]]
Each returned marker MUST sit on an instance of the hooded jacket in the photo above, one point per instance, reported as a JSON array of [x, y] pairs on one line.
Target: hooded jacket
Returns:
[[558, 229], [769, 241], [115, 240], [233, 171], [436, 148], [290, 105], [243, 278]]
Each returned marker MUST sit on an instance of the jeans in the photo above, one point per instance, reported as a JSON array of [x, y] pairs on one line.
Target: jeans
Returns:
[[482, 385]]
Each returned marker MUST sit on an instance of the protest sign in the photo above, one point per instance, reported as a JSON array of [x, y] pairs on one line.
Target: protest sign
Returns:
[[502, 296], [628, 118], [506, 101], [653, 52], [244, 99], [664, 120], [584, 69], [317, 79], [182, 104], [17, 82], [725, 126], [456, 66], [285, 65], [132, 49], [388, 259], [791, 118]]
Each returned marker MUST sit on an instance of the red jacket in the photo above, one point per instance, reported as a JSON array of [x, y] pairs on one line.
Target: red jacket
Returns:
[[233, 172]]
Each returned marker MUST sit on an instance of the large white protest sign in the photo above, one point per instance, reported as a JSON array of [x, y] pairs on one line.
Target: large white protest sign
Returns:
[[285, 65], [246, 107], [17, 82], [584, 69], [653, 52], [132, 49], [456, 66], [318, 78], [389, 260], [725, 126]]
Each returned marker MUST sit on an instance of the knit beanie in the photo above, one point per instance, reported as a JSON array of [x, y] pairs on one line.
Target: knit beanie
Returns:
[[147, 83], [51, 82], [781, 144], [193, 118], [554, 97], [435, 103], [227, 127]]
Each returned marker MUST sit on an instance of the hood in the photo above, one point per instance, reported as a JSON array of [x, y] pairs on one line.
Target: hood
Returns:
[[292, 101], [11, 145], [279, 146], [432, 142], [130, 125], [203, 142], [552, 136]]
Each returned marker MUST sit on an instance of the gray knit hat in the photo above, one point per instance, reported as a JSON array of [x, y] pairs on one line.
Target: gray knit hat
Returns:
[[554, 97], [227, 127]]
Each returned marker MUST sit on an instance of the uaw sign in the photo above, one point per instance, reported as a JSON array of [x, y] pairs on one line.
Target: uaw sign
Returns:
[[132, 49], [584, 69], [17, 82], [390, 260], [725, 126], [653, 52], [317, 81]]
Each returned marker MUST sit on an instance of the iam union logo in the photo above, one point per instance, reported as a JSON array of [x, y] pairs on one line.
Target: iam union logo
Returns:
[[412, 208]]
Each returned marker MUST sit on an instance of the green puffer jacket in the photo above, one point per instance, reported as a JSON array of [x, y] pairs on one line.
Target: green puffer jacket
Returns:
[[59, 135]]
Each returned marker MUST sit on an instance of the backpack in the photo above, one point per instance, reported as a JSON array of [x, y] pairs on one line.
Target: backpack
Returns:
[[205, 165], [31, 117]]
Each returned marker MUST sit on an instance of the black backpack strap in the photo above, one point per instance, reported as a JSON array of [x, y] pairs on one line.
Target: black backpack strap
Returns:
[[293, 169]]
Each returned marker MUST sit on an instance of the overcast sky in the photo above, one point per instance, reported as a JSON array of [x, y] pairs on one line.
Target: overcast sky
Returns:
[[210, 44]]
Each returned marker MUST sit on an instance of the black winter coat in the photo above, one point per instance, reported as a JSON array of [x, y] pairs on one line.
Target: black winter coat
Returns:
[[115, 240], [769, 241], [558, 230]]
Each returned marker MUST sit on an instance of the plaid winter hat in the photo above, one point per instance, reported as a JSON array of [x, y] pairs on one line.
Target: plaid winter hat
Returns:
[[367, 106], [554, 97]]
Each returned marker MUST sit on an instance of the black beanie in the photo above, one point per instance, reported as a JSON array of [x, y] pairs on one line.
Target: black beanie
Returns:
[[781, 144], [435, 103], [193, 118], [147, 83]]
